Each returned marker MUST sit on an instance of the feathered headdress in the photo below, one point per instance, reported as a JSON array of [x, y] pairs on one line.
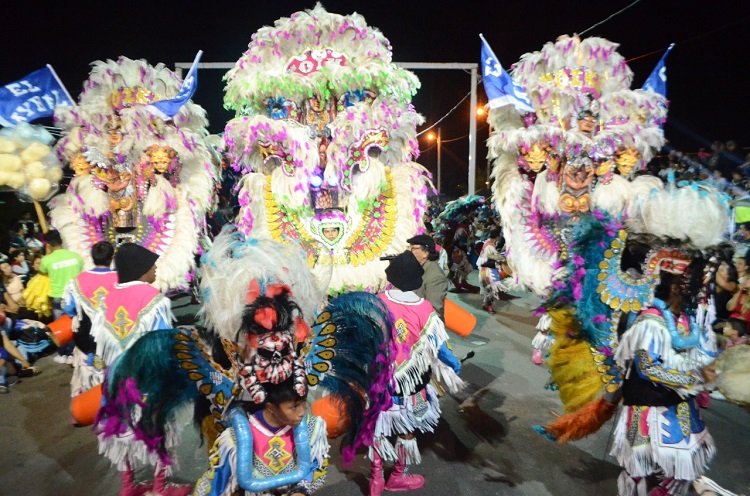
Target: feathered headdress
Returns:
[[258, 294]]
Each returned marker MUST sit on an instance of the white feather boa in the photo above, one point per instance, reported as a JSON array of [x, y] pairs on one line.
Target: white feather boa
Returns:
[[232, 263]]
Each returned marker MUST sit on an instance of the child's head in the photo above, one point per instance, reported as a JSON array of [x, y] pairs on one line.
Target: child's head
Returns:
[[740, 263], [17, 255], [735, 329], [284, 404]]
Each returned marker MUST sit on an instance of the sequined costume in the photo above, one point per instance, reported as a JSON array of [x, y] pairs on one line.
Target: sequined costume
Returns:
[[421, 351]]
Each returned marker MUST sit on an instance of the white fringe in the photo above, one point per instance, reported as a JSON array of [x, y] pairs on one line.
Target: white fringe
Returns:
[[545, 321], [400, 419], [226, 444], [319, 446], [410, 450], [383, 447], [423, 356], [641, 461], [109, 347], [648, 335], [542, 341], [85, 376], [124, 449]]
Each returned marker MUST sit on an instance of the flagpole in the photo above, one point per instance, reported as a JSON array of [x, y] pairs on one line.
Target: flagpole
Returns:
[[473, 133], [197, 58], [489, 47], [61, 84]]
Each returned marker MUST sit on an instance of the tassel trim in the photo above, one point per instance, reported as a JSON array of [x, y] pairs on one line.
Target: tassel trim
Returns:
[[124, 450], [410, 451], [401, 419], [653, 337], [319, 446], [542, 341], [423, 355], [109, 346], [644, 460]]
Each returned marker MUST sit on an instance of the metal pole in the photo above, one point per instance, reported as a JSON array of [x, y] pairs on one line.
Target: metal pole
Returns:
[[473, 133], [439, 168], [489, 170]]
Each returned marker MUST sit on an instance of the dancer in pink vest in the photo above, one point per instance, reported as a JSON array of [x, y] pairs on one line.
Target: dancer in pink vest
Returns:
[[133, 308], [80, 301], [419, 350]]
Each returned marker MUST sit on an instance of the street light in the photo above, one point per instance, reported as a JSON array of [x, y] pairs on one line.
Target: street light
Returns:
[[431, 137]]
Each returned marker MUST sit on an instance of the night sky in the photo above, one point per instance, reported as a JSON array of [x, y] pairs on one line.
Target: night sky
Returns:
[[707, 71]]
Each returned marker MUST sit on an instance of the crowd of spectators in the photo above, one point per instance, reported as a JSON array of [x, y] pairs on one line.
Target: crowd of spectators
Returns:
[[722, 165], [25, 337]]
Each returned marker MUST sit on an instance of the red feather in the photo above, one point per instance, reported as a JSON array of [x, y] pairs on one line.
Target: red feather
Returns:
[[586, 421]]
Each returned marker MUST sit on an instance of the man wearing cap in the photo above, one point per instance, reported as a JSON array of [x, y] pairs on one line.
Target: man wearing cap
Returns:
[[420, 351], [133, 308], [434, 283]]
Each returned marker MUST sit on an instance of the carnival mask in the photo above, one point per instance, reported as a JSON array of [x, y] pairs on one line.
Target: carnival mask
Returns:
[[161, 158], [535, 157], [80, 166], [626, 160]]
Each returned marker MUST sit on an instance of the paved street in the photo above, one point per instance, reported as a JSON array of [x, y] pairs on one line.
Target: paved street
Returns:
[[490, 449]]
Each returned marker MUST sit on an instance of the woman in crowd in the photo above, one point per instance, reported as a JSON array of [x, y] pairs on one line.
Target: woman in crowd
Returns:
[[12, 291]]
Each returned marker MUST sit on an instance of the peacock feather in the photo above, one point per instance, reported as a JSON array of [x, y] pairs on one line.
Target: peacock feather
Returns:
[[349, 357]]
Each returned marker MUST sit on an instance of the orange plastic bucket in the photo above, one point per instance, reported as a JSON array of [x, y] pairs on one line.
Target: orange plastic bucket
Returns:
[[84, 407], [458, 320], [62, 330]]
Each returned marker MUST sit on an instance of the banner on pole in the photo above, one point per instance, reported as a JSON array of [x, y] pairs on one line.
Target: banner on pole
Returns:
[[657, 80], [166, 109], [32, 97], [501, 89]]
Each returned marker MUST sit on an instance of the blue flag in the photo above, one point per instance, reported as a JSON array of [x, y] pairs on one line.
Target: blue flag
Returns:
[[500, 88], [657, 81], [166, 109], [32, 97]]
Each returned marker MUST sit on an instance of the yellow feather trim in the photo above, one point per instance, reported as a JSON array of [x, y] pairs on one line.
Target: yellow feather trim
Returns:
[[572, 362]]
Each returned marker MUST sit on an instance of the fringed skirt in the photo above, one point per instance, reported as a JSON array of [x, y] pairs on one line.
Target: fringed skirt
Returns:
[[673, 440], [489, 276], [85, 376], [491, 282], [417, 412]]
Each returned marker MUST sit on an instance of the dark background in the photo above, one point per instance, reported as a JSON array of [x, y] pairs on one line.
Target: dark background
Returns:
[[707, 70]]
